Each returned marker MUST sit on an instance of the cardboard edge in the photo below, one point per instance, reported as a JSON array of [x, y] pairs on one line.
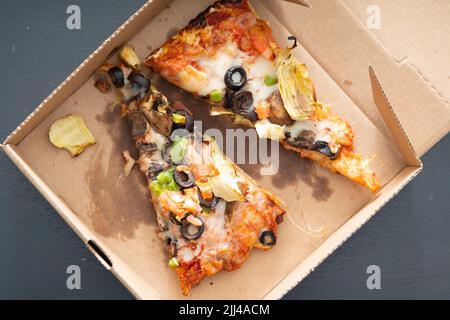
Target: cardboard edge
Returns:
[[392, 121], [118, 268], [412, 169], [334, 241], [21, 130]]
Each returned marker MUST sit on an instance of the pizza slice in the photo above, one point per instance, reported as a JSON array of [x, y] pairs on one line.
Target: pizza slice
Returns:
[[229, 56], [210, 213]]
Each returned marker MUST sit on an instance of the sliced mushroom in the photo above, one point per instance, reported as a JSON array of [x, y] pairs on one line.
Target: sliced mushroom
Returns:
[[278, 114], [156, 110], [139, 124]]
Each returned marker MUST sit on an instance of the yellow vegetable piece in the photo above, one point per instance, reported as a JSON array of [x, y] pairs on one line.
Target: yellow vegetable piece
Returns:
[[129, 56], [71, 133], [296, 88]]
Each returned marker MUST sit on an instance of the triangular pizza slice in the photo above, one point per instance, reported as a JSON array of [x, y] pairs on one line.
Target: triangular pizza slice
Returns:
[[210, 213]]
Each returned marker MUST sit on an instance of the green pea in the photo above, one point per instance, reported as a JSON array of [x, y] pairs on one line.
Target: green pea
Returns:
[[270, 80], [215, 96]]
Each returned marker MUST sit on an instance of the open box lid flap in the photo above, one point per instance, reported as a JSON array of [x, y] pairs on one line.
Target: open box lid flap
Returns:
[[328, 30]]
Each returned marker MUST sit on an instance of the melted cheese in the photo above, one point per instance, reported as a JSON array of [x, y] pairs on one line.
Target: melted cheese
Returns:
[[211, 73]]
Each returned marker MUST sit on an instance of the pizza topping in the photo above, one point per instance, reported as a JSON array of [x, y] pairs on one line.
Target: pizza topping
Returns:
[[191, 231], [128, 55], [154, 168], [138, 82], [178, 119], [173, 263], [194, 220], [215, 96], [183, 176], [117, 76], [324, 148], [270, 80], [164, 181], [224, 185], [268, 238], [321, 136], [174, 218], [156, 110], [235, 78], [241, 102], [268, 130], [278, 113], [72, 134], [176, 152], [139, 124], [296, 88], [182, 120], [102, 82], [209, 202]]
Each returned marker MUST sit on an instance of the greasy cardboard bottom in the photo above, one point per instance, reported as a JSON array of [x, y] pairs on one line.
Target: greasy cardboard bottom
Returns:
[[92, 195]]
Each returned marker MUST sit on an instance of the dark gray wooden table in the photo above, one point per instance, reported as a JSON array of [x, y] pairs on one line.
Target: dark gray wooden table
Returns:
[[409, 239]]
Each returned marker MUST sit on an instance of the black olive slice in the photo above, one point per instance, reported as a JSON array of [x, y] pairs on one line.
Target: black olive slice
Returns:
[[267, 238], [138, 82], [304, 140], [183, 177], [167, 149], [190, 231], [241, 102], [174, 219], [188, 123], [208, 203], [117, 76], [155, 168], [235, 78], [293, 38], [324, 148]]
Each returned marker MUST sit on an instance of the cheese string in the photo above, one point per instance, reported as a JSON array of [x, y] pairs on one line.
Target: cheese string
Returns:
[[315, 233]]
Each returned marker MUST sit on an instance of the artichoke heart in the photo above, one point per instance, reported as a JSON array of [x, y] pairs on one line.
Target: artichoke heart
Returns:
[[296, 88], [224, 185], [71, 133]]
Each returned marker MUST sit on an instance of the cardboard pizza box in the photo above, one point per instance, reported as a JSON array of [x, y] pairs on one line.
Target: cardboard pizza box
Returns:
[[112, 214]]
